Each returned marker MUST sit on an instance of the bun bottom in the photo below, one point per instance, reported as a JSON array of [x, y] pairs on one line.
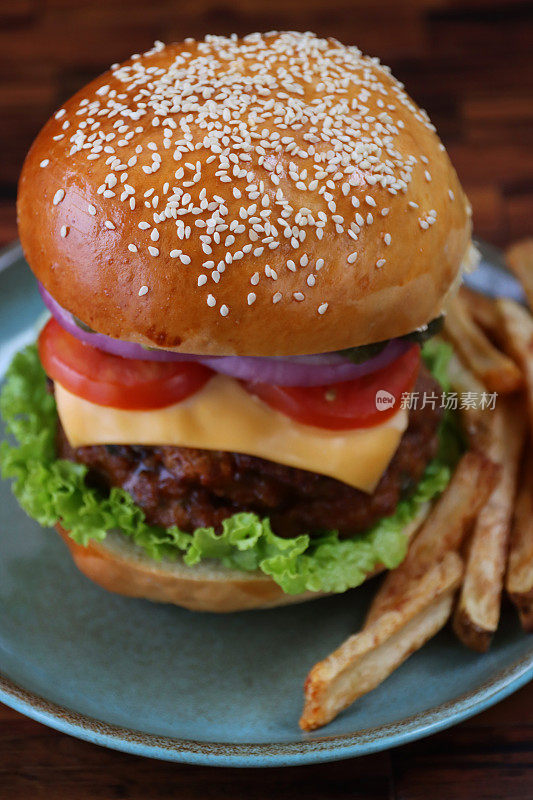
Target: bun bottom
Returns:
[[120, 566]]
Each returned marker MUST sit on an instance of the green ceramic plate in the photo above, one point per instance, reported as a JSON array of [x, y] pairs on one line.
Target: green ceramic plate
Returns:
[[224, 690]]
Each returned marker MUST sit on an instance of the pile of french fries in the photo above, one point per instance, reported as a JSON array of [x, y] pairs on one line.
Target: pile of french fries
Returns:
[[477, 540]]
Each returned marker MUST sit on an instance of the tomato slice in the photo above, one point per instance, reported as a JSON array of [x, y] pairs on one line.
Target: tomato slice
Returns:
[[110, 380], [360, 403]]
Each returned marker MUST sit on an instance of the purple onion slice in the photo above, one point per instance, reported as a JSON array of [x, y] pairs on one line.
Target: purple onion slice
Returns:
[[308, 370]]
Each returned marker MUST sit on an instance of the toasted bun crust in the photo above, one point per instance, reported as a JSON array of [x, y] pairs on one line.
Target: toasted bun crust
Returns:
[[119, 566], [273, 195]]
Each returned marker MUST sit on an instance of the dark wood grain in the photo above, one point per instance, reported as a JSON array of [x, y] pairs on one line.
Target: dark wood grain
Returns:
[[470, 64]]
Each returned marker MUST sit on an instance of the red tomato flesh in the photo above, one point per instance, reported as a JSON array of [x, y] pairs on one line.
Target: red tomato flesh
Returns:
[[343, 406], [110, 380]]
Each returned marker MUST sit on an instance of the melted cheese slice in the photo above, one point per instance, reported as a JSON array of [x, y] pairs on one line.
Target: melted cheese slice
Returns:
[[223, 416]]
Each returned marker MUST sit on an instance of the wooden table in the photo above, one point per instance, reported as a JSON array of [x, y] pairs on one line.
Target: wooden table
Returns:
[[469, 63]]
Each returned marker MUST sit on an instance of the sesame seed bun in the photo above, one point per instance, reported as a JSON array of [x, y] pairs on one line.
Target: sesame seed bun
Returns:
[[274, 195]]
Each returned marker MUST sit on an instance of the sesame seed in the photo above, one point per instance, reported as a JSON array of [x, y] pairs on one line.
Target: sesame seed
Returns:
[[44, 162], [451, 194], [143, 290], [322, 308], [352, 257], [233, 125], [224, 311], [64, 231], [251, 298], [210, 300], [380, 262], [276, 297], [59, 195]]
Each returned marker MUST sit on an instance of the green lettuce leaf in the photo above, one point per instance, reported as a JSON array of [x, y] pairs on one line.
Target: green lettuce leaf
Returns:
[[52, 490]]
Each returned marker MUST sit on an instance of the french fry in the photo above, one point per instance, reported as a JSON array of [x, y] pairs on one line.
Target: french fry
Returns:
[[495, 370], [477, 613], [474, 418], [365, 659], [519, 258], [483, 310], [519, 581], [517, 328], [461, 378], [443, 530], [416, 599]]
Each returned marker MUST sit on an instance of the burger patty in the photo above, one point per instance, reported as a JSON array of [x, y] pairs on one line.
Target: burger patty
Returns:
[[194, 488]]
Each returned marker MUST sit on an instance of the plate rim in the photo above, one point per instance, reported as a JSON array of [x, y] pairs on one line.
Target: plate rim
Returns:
[[267, 754]]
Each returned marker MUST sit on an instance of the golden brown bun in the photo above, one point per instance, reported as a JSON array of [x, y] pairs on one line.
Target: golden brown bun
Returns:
[[119, 566], [326, 136]]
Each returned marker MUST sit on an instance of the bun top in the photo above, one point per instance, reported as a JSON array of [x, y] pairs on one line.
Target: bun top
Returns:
[[273, 195]]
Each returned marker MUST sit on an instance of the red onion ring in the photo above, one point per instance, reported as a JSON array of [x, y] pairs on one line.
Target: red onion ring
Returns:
[[293, 372], [109, 345], [310, 370]]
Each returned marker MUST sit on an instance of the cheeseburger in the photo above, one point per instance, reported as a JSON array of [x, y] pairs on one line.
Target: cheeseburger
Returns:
[[245, 246]]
